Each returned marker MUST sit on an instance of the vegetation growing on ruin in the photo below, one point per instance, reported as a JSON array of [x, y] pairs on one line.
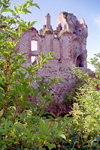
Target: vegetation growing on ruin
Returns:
[[24, 123], [48, 31], [65, 14]]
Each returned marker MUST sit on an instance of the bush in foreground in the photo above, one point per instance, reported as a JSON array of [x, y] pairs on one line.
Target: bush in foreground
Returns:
[[84, 130]]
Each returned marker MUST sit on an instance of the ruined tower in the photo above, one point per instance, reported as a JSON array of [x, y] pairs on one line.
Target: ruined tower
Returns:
[[67, 21], [68, 42]]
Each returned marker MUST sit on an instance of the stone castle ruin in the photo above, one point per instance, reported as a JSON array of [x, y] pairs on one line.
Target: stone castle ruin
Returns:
[[68, 42]]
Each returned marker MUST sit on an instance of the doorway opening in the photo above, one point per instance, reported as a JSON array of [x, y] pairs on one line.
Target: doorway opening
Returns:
[[80, 61]]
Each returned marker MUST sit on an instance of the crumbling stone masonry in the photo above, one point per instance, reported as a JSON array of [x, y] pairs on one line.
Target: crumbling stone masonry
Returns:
[[68, 42]]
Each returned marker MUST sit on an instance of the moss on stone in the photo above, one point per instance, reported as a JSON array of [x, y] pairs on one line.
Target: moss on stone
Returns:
[[48, 31]]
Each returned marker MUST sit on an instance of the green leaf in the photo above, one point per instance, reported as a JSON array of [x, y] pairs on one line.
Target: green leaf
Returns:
[[5, 10], [21, 24], [10, 44], [19, 32], [34, 22], [63, 136], [34, 4], [56, 124], [22, 20], [15, 42], [42, 99], [16, 9], [13, 13], [50, 146], [42, 124], [1, 113], [26, 11]]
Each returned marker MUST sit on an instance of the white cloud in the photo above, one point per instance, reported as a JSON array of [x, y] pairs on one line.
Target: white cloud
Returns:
[[97, 21]]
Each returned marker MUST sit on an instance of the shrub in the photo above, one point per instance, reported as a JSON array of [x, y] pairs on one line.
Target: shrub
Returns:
[[71, 95], [84, 130]]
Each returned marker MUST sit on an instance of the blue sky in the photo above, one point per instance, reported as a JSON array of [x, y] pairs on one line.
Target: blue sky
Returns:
[[87, 9]]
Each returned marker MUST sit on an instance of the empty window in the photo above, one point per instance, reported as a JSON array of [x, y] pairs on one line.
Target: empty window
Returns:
[[55, 35], [33, 45], [32, 59]]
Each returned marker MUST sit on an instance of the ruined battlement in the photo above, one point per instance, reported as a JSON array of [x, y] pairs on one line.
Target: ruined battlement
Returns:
[[67, 21], [68, 42]]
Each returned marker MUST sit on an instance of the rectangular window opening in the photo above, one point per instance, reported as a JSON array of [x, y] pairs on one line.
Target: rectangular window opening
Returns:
[[33, 45], [33, 59]]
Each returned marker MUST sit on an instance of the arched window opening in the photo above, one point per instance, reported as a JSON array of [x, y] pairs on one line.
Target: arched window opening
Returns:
[[33, 45], [80, 61]]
